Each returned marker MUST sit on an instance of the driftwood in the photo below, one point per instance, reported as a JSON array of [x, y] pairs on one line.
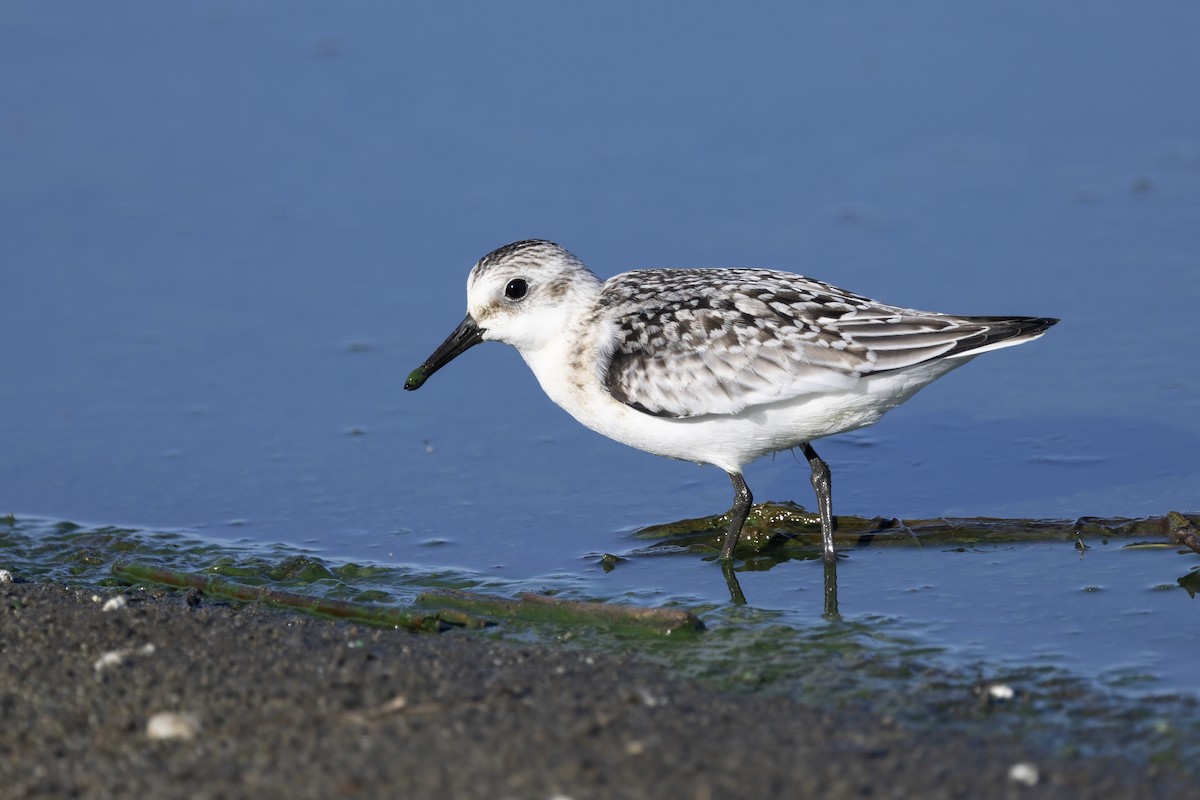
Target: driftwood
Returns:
[[541, 608]]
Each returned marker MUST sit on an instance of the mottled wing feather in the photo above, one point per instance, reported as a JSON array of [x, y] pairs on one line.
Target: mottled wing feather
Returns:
[[697, 342]]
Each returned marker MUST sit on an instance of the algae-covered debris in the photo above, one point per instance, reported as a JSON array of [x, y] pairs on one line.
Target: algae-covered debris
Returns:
[[366, 613], [541, 608], [793, 530], [1183, 531]]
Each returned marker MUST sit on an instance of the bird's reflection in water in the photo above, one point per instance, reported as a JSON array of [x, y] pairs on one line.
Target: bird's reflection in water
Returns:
[[830, 610]]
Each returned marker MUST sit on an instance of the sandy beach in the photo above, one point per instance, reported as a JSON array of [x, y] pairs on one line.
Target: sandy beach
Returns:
[[262, 703]]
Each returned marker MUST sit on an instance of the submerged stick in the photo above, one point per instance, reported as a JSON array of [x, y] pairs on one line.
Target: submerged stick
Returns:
[[366, 613], [536, 607]]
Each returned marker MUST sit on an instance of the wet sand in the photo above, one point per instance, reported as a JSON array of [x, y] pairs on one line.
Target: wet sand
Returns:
[[282, 705]]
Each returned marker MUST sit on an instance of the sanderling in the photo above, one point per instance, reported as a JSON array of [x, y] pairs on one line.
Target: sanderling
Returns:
[[716, 366]]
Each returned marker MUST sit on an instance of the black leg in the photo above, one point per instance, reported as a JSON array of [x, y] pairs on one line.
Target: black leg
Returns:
[[831, 601], [823, 487], [735, 589], [737, 515]]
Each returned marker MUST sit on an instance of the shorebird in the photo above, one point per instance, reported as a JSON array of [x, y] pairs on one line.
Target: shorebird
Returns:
[[715, 366]]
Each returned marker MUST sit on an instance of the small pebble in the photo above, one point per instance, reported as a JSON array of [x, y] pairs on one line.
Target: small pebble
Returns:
[[1001, 691], [173, 725], [648, 698], [994, 694], [5, 576], [1023, 773], [114, 603]]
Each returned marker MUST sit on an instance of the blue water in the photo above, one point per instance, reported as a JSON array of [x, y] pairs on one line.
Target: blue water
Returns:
[[229, 232]]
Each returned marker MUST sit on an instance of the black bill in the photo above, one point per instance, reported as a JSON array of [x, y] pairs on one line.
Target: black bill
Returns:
[[464, 337]]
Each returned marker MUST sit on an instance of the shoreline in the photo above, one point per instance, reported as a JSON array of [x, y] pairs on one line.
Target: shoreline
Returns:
[[280, 704]]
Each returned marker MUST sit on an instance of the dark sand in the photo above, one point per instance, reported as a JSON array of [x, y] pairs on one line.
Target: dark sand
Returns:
[[290, 706]]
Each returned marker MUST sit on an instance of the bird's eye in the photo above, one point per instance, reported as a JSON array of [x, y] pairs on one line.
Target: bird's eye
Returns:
[[516, 289]]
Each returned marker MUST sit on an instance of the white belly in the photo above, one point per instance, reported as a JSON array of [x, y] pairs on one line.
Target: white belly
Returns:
[[733, 440]]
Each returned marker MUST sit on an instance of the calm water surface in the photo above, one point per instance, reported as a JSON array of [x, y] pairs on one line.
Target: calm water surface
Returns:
[[229, 233]]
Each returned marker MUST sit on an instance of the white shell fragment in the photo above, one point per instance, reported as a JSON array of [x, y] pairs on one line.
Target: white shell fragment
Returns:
[[114, 657], [173, 725]]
